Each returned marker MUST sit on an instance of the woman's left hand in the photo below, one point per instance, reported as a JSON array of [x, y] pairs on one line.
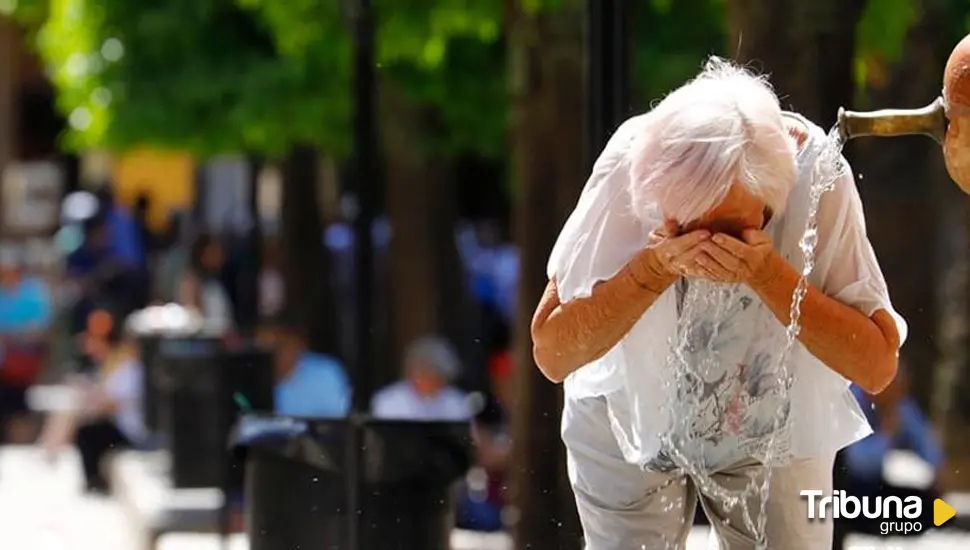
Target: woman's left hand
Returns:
[[726, 259]]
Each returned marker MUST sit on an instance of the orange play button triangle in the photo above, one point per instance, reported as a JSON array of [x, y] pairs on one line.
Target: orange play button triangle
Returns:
[[942, 512]]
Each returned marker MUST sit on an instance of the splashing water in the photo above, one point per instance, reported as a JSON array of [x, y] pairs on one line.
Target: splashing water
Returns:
[[690, 364]]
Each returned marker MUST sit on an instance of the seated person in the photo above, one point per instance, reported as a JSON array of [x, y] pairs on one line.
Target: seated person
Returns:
[[426, 392], [108, 415], [25, 316], [898, 424], [311, 384]]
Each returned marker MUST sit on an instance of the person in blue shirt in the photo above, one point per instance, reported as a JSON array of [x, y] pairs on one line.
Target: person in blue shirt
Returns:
[[124, 234], [311, 384], [25, 316], [898, 425], [97, 269]]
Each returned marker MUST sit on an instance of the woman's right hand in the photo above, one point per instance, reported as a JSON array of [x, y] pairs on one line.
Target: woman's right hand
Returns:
[[671, 254]]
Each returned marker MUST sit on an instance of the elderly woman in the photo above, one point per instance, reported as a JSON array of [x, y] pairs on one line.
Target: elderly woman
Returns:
[[670, 289], [425, 393]]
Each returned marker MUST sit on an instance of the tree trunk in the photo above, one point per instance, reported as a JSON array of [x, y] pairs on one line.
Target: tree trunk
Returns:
[[10, 52], [306, 262], [428, 291], [808, 48], [547, 161], [251, 267]]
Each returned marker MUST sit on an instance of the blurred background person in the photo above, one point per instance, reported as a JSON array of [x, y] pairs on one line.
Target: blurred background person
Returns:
[[107, 415], [202, 288], [25, 316], [150, 241], [124, 235], [426, 392], [173, 258], [99, 268], [310, 384]]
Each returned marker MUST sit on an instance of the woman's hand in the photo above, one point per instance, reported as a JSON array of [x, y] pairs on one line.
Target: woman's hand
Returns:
[[725, 259], [674, 255]]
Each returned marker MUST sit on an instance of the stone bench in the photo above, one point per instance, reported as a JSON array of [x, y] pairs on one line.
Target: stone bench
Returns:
[[141, 484]]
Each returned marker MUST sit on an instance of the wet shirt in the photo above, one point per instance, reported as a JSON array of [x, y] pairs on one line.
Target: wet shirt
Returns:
[[730, 404]]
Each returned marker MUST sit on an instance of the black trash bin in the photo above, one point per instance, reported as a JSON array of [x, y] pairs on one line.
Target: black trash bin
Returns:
[[296, 490], [148, 348], [150, 327], [200, 386]]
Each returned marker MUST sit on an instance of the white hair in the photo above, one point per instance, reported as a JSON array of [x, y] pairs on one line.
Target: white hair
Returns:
[[724, 126], [438, 354]]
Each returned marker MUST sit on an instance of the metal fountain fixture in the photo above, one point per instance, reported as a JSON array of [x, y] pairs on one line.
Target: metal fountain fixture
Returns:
[[946, 119]]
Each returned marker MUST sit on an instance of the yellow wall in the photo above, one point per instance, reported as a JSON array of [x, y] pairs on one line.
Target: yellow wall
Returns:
[[166, 177]]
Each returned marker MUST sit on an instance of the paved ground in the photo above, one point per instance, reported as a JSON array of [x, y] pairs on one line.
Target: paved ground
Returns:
[[41, 508]]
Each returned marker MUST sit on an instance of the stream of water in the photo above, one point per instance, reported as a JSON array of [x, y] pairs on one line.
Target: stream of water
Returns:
[[688, 367]]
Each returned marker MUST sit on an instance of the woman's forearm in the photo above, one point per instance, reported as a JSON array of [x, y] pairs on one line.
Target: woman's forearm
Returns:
[[568, 336], [862, 349]]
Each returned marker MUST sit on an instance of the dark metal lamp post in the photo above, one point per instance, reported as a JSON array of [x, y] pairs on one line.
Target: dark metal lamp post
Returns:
[[365, 180]]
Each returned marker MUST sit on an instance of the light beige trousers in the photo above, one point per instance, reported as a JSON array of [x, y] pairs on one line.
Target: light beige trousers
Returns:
[[621, 507]]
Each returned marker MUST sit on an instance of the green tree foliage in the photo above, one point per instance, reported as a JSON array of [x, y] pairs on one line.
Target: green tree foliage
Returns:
[[216, 76], [880, 37], [205, 76], [29, 13], [671, 41], [445, 55]]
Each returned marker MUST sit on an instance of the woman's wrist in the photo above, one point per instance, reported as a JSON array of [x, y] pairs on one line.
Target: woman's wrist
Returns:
[[649, 273]]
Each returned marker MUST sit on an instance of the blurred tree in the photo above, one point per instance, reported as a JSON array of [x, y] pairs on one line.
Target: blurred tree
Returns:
[[202, 76], [880, 41], [10, 51], [808, 48], [547, 152], [207, 77], [671, 41], [432, 115]]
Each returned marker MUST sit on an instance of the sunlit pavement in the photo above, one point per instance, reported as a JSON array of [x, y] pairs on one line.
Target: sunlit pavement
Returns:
[[42, 508]]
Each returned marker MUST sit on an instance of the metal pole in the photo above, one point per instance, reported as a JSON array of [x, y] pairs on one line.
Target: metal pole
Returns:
[[365, 179], [608, 69], [365, 161]]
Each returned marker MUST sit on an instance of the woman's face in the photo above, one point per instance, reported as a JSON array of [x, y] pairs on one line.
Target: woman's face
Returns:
[[740, 210]]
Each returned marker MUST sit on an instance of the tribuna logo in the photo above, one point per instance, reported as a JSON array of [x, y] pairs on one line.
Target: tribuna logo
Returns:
[[841, 505]]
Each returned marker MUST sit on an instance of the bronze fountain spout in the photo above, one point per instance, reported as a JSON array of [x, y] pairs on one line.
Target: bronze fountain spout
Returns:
[[929, 121], [946, 120]]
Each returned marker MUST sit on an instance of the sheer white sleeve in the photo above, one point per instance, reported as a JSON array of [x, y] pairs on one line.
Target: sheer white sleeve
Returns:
[[852, 275], [600, 237], [602, 234]]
